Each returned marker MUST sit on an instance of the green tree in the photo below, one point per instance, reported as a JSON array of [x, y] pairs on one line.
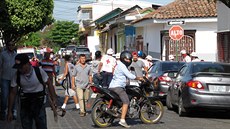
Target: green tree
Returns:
[[64, 32], [31, 39], [20, 17]]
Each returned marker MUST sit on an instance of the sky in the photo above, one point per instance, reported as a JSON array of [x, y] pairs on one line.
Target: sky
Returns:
[[66, 10]]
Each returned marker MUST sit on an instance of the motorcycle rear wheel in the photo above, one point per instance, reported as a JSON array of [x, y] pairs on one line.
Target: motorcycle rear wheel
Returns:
[[99, 117], [151, 113]]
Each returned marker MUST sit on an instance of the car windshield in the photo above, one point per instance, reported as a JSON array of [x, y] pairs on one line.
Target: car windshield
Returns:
[[82, 49], [70, 47], [212, 67], [30, 55], [166, 66]]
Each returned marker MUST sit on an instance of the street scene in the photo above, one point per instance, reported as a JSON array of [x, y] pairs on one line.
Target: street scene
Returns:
[[67, 64]]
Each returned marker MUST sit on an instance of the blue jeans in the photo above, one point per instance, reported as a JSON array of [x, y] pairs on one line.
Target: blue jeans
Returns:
[[97, 80], [33, 109], [107, 78], [5, 90]]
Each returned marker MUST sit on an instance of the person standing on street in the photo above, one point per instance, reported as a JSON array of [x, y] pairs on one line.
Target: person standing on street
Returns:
[[194, 57], [171, 58], [138, 65], [118, 83], [32, 93], [7, 72], [108, 62], [48, 66], [185, 56], [97, 78], [82, 79], [68, 71]]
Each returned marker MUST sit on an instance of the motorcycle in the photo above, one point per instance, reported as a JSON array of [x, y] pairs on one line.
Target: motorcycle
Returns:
[[108, 105]]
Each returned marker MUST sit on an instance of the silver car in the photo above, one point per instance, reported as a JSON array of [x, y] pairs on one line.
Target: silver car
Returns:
[[200, 85]]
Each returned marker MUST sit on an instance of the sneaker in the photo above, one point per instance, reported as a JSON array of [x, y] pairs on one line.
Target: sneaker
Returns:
[[124, 124]]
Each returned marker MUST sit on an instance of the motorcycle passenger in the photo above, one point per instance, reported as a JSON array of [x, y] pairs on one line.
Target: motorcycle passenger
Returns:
[[118, 83], [97, 77]]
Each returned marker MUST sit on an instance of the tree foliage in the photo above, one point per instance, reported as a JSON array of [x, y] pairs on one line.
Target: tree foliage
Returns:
[[64, 32], [20, 17]]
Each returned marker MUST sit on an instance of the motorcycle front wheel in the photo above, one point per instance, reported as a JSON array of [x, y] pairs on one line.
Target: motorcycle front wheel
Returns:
[[151, 113], [99, 117]]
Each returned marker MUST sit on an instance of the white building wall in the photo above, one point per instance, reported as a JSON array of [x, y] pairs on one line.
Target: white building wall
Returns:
[[223, 13], [152, 36], [205, 38]]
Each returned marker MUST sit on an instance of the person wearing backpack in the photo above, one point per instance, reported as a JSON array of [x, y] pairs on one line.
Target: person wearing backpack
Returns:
[[69, 67], [31, 82]]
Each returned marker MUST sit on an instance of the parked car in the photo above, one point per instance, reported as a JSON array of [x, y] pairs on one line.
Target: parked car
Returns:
[[161, 73], [84, 50], [200, 85], [31, 52], [70, 49]]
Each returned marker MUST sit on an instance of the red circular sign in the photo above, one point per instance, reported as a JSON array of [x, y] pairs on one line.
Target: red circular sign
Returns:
[[176, 32]]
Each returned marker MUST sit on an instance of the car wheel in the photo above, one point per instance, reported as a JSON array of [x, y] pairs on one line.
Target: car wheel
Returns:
[[181, 109], [168, 102]]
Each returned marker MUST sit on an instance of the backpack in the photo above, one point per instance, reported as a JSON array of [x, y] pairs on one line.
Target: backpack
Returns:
[[38, 74]]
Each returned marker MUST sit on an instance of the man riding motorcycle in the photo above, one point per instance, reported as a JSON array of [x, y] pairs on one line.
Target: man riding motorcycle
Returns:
[[118, 83]]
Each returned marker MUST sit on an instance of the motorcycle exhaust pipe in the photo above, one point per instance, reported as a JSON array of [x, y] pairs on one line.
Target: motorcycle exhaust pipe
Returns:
[[110, 112]]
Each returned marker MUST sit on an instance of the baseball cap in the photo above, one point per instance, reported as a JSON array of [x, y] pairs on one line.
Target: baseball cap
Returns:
[[149, 57], [194, 54], [20, 60], [110, 51], [134, 53], [118, 55], [183, 51]]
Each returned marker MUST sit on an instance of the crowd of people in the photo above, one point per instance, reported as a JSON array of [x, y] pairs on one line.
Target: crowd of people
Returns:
[[186, 57], [32, 76]]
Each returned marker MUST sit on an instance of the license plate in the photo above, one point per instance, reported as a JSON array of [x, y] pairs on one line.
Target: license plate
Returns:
[[94, 95], [214, 88]]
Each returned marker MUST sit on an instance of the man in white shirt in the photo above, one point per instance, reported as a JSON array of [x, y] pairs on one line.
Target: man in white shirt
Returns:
[[186, 57], [108, 62]]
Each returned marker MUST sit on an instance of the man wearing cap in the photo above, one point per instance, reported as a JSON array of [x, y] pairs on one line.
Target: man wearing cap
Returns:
[[32, 93], [150, 60], [194, 57], [107, 65], [185, 56], [6, 72]]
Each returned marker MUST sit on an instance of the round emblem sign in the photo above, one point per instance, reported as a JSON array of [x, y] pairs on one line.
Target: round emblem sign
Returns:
[[176, 32]]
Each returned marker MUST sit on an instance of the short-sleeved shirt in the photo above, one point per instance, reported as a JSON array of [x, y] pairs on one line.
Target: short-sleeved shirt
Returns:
[[30, 82], [47, 65], [82, 75], [121, 73], [6, 63], [138, 65], [95, 65], [109, 63]]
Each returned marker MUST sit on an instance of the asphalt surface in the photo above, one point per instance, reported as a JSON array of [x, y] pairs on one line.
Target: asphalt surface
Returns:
[[198, 120]]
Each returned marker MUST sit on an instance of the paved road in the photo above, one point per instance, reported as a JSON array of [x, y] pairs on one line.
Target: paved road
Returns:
[[170, 120]]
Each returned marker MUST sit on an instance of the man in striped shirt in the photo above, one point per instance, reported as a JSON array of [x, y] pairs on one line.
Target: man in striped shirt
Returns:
[[48, 66]]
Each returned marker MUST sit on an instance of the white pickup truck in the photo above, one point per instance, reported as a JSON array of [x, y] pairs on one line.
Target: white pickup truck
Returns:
[[29, 51]]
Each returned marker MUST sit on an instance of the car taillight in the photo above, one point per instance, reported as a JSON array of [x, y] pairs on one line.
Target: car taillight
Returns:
[[94, 89], [195, 84], [165, 79]]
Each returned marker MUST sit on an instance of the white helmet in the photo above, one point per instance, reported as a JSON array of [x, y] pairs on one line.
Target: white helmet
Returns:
[[110, 51], [193, 54], [149, 57], [171, 57], [118, 55], [183, 51]]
